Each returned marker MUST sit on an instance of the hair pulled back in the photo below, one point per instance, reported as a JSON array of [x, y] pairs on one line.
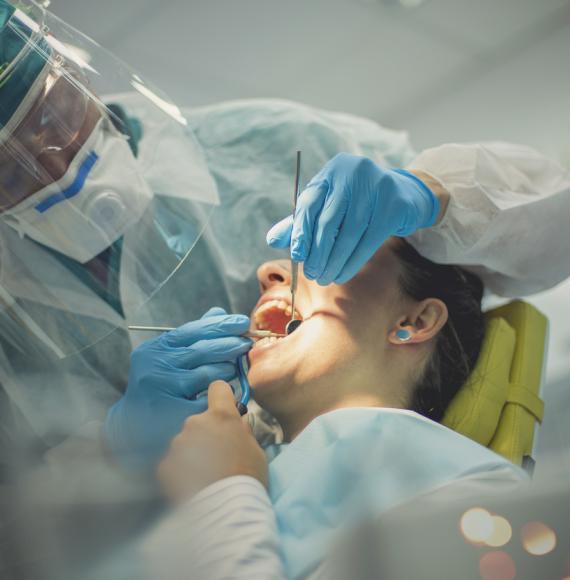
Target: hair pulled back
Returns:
[[459, 342]]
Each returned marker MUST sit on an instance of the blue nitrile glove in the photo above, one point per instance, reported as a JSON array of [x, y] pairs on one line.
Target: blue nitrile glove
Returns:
[[166, 374], [347, 211]]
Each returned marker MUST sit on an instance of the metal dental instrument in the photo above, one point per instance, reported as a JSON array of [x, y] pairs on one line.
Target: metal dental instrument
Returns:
[[294, 324], [248, 334]]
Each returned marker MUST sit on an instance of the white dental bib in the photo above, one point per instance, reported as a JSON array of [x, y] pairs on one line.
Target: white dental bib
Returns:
[[358, 462]]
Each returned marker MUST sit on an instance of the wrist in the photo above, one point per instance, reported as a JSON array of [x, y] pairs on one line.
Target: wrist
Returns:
[[115, 441], [422, 203], [437, 188]]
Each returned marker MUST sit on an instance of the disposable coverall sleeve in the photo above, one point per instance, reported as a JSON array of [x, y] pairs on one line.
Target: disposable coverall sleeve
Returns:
[[507, 215], [228, 530]]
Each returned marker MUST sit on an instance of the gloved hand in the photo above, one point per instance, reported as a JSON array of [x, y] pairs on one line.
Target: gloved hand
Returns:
[[166, 374], [347, 211]]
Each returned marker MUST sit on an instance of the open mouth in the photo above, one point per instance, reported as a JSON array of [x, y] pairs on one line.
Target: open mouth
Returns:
[[273, 315]]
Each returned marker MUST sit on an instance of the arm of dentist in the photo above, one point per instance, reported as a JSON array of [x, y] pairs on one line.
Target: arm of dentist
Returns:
[[507, 215], [222, 523], [495, 208]]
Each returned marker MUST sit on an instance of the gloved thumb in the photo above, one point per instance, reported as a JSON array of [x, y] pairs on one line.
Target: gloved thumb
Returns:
[[279, 236]]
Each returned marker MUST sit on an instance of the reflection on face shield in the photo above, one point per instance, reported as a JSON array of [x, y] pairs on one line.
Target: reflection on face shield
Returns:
[[100, 196], [44, 133], [68, 179]]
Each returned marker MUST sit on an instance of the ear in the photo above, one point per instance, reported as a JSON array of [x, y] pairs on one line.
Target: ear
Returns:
[[424, 321]]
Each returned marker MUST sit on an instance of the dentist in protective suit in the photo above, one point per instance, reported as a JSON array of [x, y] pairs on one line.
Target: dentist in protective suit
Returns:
[[123, 209]]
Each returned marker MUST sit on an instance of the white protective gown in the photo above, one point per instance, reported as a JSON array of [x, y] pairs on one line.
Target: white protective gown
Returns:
[[506, 219], [345, 467], [249, 150]]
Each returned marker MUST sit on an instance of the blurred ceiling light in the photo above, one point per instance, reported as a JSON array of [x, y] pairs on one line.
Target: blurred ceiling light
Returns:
[[538, 539], [402, 3], [501, 534], [497, 566], [411, 3], [476, 525]]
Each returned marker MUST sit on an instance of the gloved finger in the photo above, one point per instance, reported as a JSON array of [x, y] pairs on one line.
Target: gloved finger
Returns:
[[279, 236], [213, 351], [326, 231], [309, 207], [351, 237], [214, 311], [221, 399], [190, 382], [211, 327], [370, 242]]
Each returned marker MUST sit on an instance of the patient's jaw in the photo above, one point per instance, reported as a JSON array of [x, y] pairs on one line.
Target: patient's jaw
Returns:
[[346, 352]]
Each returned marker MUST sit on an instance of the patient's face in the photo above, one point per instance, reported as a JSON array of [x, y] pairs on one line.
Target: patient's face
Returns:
[[344, 328]]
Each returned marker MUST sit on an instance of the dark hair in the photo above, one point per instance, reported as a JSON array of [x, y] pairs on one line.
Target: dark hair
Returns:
[[459, 341]]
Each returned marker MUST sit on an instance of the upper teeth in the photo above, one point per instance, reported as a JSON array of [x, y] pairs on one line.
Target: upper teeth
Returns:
[[266, 306]]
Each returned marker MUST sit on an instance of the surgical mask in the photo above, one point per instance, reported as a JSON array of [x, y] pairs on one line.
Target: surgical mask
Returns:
[[99, 198]]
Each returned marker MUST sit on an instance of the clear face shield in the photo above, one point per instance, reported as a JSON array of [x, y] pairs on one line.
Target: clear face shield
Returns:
[[87, 148]]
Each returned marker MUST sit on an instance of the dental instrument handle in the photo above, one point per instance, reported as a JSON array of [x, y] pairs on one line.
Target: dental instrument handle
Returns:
[[262, 334], [295, 265], [245, 386], [248, 334]]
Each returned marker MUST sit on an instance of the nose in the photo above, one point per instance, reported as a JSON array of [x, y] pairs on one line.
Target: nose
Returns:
[[271, 274]]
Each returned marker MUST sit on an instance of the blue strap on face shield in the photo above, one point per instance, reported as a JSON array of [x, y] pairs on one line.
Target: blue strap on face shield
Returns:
[[74, 188]]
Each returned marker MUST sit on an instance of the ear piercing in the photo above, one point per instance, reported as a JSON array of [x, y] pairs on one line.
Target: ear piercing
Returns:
[[403, 335]]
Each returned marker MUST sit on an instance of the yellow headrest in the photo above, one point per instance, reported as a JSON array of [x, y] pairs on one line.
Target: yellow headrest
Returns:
[[499, 404]]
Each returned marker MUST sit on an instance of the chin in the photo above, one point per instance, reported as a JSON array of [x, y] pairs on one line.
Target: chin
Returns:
[[267, 381]]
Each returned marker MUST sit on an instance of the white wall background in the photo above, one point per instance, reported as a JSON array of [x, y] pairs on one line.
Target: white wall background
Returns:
[[448, 70]]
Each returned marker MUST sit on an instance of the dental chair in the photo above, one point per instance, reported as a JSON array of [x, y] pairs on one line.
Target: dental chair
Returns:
[[500, 404]]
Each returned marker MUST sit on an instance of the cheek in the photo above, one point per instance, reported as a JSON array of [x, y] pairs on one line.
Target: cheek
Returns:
[[321, 347]]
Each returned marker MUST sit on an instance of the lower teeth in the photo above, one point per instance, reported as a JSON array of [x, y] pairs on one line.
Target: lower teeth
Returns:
[[267, 340]]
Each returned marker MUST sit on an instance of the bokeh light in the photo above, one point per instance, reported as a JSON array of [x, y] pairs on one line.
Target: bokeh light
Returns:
[[538, 539], [497, 566], [476, 525], [501, 534]]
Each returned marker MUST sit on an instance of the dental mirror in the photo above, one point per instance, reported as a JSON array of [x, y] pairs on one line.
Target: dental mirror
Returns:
[[292, 325]]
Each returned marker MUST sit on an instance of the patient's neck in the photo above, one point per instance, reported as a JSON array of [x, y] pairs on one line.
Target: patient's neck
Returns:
[[376, 381], [294, 422]]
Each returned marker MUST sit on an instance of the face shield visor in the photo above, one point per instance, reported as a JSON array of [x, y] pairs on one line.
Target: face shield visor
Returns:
[[103, 189]]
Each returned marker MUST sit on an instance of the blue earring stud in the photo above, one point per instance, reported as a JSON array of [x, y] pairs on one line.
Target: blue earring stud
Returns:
[[403, 335]]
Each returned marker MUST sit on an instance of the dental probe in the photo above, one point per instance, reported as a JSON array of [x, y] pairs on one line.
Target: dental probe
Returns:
[[248, 334], [294, 324]]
